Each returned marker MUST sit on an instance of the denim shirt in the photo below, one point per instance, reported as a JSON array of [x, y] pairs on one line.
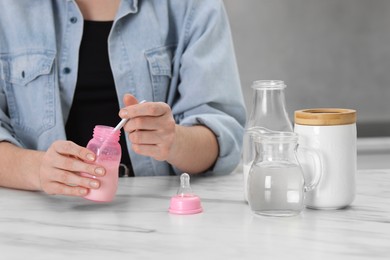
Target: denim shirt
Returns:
[[175, 51]]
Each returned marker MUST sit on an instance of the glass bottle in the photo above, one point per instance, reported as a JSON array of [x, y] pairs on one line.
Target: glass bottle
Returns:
[[105, 144], [268, 112]]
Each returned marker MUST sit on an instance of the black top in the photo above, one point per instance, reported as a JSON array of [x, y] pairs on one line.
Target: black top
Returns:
[[95, 100]]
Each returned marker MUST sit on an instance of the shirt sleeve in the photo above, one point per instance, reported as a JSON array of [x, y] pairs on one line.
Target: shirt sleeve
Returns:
[[210, 91]]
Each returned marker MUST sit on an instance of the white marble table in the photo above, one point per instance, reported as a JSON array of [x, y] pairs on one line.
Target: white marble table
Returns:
[[137, 225]]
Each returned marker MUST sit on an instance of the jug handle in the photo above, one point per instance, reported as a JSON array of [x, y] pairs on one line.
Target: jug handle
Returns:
[[318, 168]]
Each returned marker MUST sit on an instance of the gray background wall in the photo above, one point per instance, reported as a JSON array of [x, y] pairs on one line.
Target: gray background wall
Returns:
[[330, 53]]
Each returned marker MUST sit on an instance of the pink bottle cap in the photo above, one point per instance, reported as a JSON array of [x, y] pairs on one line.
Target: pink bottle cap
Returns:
[[185, 202]]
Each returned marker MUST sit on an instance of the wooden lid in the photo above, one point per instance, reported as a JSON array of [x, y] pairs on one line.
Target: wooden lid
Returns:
[[325, 116]]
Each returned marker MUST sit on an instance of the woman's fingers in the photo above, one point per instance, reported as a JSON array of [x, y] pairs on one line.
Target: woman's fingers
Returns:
[[151, 109], [61, 167], [151, 128], [72, 179], [57, 188], [68, 155], [71, 164], [72, 149]]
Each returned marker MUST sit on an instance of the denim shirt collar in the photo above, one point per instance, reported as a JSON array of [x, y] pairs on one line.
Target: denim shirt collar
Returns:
[[132, 5], [126, 7]]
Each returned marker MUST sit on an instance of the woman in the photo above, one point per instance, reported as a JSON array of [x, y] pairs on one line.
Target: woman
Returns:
[[68, 65]]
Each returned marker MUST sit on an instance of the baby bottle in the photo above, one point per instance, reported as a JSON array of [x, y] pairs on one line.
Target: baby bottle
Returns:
[[105, 144]]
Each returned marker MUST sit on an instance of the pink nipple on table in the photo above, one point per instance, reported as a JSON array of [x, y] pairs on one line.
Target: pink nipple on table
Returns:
[[185, 202]]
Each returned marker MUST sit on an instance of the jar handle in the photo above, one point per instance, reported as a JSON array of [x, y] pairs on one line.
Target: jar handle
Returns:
[[318, 169]]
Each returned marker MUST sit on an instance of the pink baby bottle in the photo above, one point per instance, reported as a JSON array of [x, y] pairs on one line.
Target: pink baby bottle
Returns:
[[105, 144]]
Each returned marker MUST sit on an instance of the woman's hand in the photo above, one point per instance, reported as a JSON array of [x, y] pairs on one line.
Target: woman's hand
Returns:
[[151, 127], [153, 132], [60, 169]]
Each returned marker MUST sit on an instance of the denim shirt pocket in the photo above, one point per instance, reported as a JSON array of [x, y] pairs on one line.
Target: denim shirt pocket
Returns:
[[29, 88], [160, 69]]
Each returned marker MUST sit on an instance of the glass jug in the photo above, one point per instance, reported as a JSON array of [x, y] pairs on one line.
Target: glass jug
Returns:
[[276, 182], [268, 111]]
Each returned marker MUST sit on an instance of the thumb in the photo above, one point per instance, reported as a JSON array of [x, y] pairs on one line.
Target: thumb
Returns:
[[129, 100]]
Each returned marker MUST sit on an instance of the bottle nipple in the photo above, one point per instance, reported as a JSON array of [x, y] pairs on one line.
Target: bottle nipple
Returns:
[[185, 188], [185, 202]]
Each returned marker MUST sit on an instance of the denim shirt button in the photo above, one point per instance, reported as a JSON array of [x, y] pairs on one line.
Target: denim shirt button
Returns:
[[66, 70], [73, 20]]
